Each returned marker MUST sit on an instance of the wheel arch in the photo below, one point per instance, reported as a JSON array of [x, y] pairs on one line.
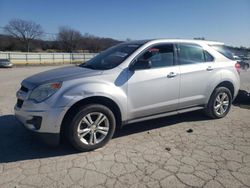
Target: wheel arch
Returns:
[[92, 100], [226, 84]]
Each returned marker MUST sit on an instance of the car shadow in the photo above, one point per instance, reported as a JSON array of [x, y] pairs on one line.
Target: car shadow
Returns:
[[242, 100], [18, 144]]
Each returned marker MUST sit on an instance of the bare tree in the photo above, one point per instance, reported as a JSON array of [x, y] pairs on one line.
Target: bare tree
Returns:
[[69, 38], [25, 31]]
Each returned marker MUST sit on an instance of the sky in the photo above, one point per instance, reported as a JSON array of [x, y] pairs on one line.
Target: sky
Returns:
[[227, 21]]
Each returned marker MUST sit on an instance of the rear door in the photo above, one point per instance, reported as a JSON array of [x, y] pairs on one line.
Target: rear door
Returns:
[[196, 68]]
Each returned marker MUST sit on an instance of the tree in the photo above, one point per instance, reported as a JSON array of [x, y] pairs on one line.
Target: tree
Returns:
[[23, 30], [199, 38], [69, 38]]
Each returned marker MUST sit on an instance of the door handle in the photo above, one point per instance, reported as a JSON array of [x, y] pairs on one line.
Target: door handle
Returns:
[[209, 68], [172, 74]]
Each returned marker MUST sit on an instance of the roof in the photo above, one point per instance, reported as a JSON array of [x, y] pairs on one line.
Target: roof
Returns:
[[176, 40]]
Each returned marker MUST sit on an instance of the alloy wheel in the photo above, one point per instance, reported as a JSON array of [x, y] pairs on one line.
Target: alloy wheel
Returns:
[[221, 103], [93, 128]]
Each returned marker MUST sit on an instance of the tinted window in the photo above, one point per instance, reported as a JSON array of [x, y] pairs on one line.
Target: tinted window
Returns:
[[160, 55], [190, 54], [208, 57], [224, 50]]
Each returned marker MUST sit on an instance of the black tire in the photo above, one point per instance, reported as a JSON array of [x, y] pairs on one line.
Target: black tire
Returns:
[[210, 110], [72, 128]]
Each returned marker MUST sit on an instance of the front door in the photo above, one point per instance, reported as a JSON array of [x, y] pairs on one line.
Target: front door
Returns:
[[154, 90]]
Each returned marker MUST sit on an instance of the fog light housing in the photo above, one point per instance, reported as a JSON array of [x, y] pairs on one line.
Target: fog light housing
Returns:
[[36, 121]]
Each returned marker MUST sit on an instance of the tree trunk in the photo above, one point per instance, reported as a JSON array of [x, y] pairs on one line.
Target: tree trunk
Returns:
[[27, 46]]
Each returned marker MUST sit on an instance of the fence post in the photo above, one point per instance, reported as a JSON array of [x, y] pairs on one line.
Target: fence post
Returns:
[[9, 56], [26, 56], [84, 58], [63, 58], [40, 58], [53, 58]]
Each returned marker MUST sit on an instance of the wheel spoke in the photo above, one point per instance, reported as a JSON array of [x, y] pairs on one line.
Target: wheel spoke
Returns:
[[218, 98], [102, 128], [99, 119], [221, 110], [217, 107], [83, 132], [225, 103], [103, 118], [88, 120], [91, 138], [224, 95], [94, 138], [102, 132]]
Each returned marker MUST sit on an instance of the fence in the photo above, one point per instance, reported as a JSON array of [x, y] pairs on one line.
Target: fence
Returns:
[[22, 58]]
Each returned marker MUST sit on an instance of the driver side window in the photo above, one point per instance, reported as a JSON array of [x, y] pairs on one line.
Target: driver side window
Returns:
[[159, 56]]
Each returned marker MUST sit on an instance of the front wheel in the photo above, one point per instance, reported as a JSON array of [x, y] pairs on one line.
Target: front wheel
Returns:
[[219, 103], [91, 128]]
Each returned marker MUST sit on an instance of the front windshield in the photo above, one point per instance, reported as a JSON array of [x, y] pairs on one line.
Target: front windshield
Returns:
[[224, 50], [111, 57]]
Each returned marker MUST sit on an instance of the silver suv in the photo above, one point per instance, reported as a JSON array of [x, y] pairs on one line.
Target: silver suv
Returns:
[[127, 83]]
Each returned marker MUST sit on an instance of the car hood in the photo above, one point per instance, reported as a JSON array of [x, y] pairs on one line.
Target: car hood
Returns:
[[59, 75]]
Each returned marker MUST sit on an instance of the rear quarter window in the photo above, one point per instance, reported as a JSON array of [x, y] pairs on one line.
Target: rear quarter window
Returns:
[[224, 50]]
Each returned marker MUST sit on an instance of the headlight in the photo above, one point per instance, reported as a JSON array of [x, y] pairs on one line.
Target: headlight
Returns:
[[44, 91]]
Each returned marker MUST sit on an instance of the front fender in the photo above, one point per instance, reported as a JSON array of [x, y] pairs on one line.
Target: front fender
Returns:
[[72, 94]]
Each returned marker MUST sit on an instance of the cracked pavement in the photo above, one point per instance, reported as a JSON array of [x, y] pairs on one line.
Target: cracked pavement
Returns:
[[187, 150]]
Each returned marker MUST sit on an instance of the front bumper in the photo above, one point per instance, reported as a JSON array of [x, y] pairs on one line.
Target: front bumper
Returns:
[[49, 124]]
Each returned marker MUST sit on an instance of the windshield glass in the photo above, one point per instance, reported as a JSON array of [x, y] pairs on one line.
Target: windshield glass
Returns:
[[224, 50], [111, 57]]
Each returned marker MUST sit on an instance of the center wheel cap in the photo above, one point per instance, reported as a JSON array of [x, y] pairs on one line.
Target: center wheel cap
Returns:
[[93, 127]]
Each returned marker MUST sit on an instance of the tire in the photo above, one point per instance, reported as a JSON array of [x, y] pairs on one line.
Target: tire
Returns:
[[217, 107], [84, 132]]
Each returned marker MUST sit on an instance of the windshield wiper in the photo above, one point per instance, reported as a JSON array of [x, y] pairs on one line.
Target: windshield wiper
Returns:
[[87, 66]]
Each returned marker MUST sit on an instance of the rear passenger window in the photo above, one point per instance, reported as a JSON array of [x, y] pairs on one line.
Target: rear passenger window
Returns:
[[160, 55], [190, 54]]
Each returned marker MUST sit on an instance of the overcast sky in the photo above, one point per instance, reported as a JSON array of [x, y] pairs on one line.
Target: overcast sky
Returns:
[[221, 20]]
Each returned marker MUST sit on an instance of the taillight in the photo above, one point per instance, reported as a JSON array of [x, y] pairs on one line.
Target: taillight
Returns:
[[237, 66]]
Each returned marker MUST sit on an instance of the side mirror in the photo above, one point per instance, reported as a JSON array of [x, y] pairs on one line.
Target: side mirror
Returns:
[[140, 65]]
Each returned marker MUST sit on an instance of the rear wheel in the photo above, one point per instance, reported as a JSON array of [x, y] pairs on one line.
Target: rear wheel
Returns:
[[219, 103], [91, 128]]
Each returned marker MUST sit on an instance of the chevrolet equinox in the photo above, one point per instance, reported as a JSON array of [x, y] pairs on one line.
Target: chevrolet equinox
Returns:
[[130, 82]]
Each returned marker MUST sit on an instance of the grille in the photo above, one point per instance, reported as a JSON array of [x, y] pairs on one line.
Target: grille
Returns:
[[19, 103]]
